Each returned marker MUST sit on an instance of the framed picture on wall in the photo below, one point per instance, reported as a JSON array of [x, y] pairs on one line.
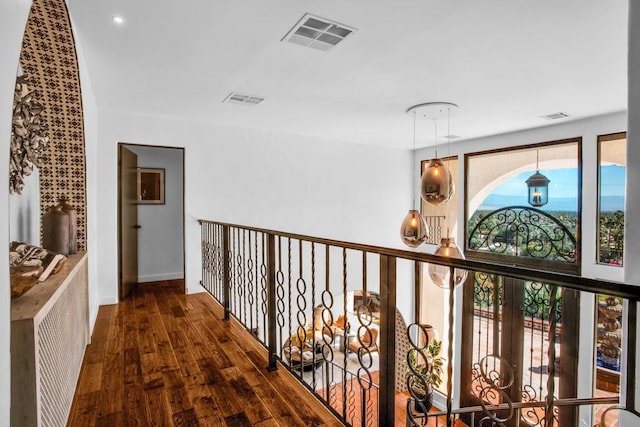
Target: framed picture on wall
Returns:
[[150, 186]]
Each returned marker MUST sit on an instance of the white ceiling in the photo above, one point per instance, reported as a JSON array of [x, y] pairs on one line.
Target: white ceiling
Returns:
[[505, 62]]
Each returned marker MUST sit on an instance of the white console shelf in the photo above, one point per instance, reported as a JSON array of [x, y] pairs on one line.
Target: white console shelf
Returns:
[[49, 334]]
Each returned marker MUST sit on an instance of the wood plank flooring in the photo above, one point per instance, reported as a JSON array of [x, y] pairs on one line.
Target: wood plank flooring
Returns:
[[165, 358]]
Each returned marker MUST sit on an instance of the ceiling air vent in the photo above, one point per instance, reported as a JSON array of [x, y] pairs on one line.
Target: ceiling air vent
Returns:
[[318, 33], [238, 98], [556, 116]]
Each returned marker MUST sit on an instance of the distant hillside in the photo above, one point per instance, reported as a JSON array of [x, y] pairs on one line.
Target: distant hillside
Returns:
[[563, 204]]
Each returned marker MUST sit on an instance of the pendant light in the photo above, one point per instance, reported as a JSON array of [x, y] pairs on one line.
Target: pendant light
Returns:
[[538, 187], [437, 183], [414, 230], [440, 274]]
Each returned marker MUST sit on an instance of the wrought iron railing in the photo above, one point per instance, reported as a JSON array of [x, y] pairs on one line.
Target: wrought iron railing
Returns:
[[326, 311]]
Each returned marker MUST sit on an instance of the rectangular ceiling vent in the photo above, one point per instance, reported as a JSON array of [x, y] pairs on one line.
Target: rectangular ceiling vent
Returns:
[[556, 116], [318, 33], [238, 98]]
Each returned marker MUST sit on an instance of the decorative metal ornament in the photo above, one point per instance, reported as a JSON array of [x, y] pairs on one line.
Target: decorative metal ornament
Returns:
[[414, 230], [538, 188], [440, 274], [29, 136]]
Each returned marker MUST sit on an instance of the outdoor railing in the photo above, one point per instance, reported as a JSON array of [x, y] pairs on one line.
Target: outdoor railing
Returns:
[[326, 310]]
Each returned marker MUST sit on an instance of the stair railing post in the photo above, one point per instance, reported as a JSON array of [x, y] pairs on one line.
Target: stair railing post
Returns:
[[386, 403], [226, 273], [271, 302]]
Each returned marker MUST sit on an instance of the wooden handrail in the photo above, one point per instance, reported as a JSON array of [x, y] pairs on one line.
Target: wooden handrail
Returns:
[[597, 286]]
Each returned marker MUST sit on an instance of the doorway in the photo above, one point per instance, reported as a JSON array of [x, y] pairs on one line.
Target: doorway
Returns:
[[523, 335], [150, 216]]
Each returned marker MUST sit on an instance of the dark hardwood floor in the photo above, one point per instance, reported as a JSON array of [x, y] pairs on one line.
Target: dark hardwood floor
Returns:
[[165, 358]]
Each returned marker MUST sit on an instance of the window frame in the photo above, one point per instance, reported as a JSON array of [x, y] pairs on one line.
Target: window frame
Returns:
[[604, 138]]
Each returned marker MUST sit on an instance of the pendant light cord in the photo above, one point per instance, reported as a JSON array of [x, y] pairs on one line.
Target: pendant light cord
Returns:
[[537, 160], [435, 127], [413, 165]]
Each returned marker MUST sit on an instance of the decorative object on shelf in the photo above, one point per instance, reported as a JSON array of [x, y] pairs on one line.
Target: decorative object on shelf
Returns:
[[55, 230], [29, 135], [414, 230], [150, 186], [437, 183], [23, 278], [440, 273], [73, 223], [24, 255], [538, 187]]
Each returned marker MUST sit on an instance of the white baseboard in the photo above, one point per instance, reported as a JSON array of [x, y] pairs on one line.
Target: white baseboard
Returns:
[[159, 277], [195, 289], [108, 300]]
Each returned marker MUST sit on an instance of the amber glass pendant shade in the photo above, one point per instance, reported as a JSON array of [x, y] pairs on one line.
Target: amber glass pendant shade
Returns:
[[437, 184], [414, 230], [440, 274]]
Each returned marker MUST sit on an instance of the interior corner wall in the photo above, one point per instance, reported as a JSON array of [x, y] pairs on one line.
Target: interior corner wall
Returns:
[[632, 225], [160, 240], [331, 189], [14, 17], [90, 115], [632, 222]]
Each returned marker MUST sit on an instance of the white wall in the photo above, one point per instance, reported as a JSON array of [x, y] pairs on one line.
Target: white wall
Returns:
[[317, 187], [90, 114], [632, 222], [24, 211], [160, 240], [14, 15]]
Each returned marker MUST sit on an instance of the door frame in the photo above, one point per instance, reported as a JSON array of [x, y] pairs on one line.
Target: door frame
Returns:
[[569, 363], [119, 215]]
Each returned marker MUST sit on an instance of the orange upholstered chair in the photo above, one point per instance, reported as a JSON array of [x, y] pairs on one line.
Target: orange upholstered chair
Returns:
[[369, 340]]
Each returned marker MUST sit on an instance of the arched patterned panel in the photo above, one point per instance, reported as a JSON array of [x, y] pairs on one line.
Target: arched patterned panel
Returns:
[[523, 231], [49, 61]]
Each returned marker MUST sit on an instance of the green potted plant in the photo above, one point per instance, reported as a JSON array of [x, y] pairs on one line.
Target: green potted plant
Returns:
[[424, 374]]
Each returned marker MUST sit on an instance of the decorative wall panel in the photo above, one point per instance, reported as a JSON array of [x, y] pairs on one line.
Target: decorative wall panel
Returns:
[[49, 60]]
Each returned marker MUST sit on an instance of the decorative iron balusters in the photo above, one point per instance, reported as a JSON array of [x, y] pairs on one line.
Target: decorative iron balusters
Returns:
[[280, 294], [418, 384], [496, 376], [525, 232], [353, 392]]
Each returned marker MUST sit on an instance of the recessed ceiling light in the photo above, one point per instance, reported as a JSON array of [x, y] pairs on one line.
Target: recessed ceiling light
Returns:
[[118, 19]]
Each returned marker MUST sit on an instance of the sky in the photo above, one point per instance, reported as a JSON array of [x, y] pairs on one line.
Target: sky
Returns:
[[563, 189]]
